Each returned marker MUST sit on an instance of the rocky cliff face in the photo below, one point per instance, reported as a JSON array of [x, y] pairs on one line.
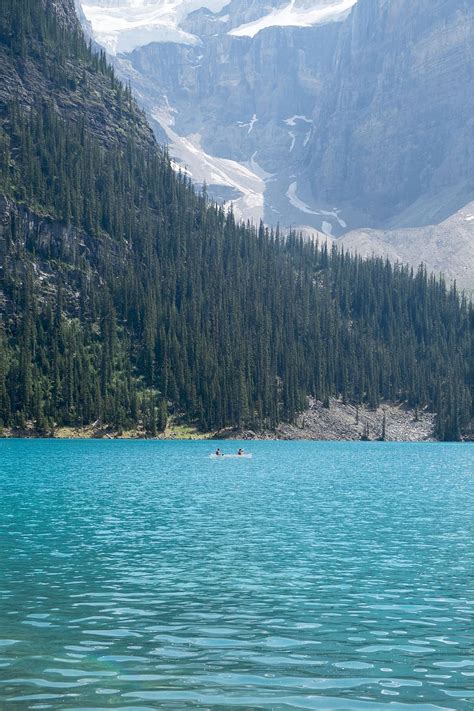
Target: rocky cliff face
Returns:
[[53, 243], [392, 137]]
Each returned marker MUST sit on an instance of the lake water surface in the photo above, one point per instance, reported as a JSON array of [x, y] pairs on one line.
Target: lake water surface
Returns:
[[143, 575]]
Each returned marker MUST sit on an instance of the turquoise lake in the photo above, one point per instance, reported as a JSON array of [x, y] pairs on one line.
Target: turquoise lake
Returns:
[[143, 575]]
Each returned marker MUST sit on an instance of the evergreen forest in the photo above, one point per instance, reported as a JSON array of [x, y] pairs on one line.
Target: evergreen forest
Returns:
[[126, 295]]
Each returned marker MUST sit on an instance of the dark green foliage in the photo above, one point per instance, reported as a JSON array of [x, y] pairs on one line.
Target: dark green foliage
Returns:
[[157, 299]]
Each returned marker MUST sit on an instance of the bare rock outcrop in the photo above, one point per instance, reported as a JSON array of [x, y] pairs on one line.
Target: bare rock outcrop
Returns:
[[390, 422]]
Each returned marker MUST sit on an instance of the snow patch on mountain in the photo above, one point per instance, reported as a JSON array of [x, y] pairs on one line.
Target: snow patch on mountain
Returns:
[[297, 117], [296, 202], [293, 15], [250, 124], [257, 169], [333, 215], [297, 121], [121, 26]]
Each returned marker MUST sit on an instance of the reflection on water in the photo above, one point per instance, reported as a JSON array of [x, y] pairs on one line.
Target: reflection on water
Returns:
[[143, 575]]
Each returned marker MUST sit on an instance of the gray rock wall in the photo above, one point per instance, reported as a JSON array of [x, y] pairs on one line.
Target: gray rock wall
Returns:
[[393, 134]]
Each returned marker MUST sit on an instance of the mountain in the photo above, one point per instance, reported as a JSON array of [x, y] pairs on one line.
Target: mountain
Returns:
[[126, 296], [332, 115], [234, 102]]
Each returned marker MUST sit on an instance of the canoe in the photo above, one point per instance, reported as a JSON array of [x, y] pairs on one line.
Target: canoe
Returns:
[[230, 456]]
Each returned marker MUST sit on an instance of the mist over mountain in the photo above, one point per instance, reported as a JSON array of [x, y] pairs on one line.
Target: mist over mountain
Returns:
[[331, 115]]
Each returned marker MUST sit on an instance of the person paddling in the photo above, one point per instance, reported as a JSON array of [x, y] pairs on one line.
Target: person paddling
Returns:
[[218, 452], [240, 452]]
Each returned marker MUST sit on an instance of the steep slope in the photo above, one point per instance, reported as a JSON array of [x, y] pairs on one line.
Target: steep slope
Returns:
[[125, 294], [81, 89]]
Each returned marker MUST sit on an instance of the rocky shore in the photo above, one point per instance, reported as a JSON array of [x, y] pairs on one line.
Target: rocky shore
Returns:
[[346, 422]]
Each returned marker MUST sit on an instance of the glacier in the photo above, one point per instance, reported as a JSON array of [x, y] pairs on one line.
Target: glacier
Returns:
[[121, 27], [293, 15]]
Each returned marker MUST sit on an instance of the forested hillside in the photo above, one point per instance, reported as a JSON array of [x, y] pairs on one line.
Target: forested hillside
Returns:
[[125, 294]]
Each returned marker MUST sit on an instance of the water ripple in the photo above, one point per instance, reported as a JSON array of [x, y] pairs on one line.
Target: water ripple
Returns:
[[324, 576]]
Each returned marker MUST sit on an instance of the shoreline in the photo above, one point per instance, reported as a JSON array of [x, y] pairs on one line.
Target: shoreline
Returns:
[[89, 433], [339, 422]]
